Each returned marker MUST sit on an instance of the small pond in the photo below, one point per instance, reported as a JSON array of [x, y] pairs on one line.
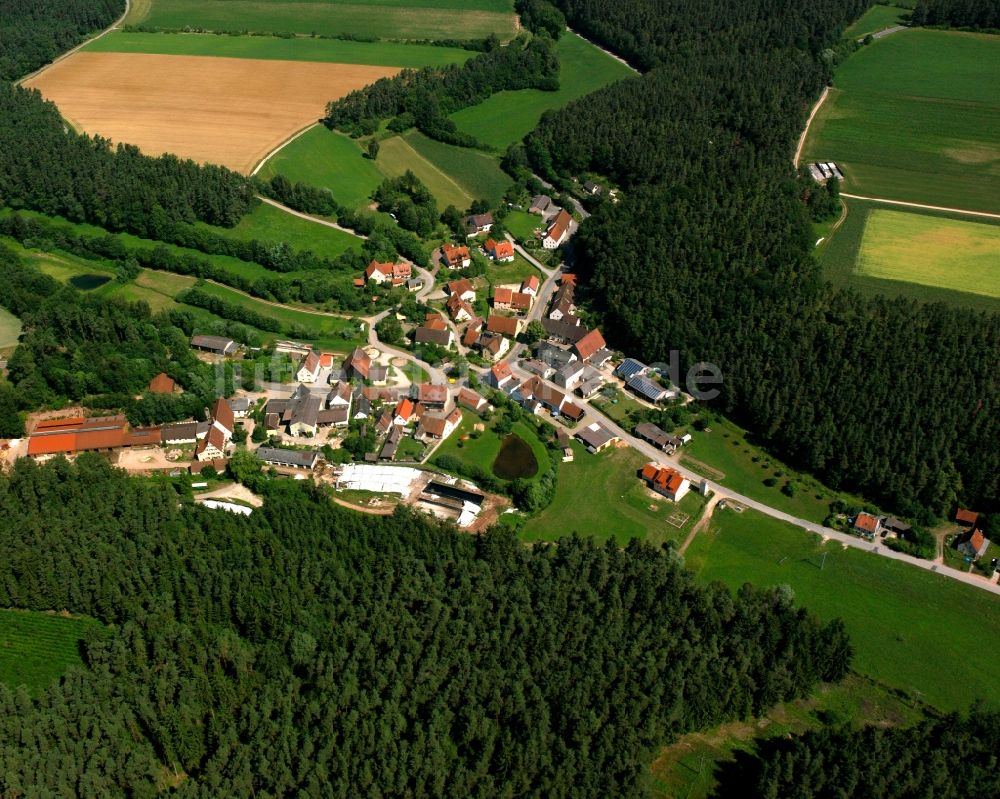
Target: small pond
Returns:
[[88, 282], [515, 459]]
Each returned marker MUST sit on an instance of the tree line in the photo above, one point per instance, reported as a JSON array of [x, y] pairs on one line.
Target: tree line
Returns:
[[425, 97], [47, 167], [972, 14], [311, 650], [709, 253], [34, 32], [952, 757]]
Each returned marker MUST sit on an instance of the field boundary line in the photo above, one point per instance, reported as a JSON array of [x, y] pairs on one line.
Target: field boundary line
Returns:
[[282, 146], [113, 26], [309, 218], [434, 167], [905, 204], [604, 50], [805, 132]]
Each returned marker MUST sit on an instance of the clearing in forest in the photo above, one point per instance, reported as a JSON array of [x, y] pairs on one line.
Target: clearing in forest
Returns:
[[390, 19], [228, 111], [916, 117], [932, 251], [36, 648]]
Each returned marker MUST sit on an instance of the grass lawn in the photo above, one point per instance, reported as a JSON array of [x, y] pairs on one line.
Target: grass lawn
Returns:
[[10, 329], [964, 256], [619, 408], [478, 174], [600, 496], [522, 225], [508, 117], [840, 257], [725, 456], [267, 223], [328, 160], [410, 450], [396, 155], [483, 450], [328, 327], [687, 767], [402, 19], [511, 272], [36, 648], [911, 629], [875, 19], [916, 116], [337, 51]]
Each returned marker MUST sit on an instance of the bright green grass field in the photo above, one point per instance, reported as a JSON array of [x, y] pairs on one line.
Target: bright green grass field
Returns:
[[875, 19], [841, 254], [947, 253], [36, 648], [455, 175], [508, 117], [337, 51], [916, 116], [391, 19], [483, 451], [328, 160], [911, 629], [10, 329], [267, 223], [601, 496]]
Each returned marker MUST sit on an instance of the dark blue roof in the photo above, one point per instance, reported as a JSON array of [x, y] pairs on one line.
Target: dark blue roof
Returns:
[[629, 368], [647, 388]]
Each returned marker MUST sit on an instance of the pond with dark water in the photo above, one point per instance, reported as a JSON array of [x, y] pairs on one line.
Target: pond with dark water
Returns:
[[88, 282], [515, 459]]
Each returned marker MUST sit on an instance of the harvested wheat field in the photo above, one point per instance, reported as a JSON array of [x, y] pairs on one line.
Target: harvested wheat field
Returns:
[[229, 111]]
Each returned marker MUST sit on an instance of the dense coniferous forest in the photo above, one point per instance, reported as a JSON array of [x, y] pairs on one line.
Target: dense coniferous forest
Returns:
[[709, 254], [34, 32], [975, 14], [49, 168], [310, 650], [424, 97], [103, 352], [948, 758]]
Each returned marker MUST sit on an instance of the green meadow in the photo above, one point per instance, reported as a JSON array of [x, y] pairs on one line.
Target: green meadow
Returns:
[[337, 51], [37, 648], [10, 330], [602, 497], [920, 632], [482, 450], [864, 256], [381, 19], [267, 223], [329, 160], [916, 117], [875, 19], [508, 117], [455, 175]]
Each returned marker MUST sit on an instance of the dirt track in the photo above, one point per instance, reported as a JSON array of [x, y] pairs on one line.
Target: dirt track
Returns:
[[229, 111]]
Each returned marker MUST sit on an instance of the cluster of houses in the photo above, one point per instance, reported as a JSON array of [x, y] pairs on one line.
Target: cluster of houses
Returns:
[[559, 222], [870, 526], [458, 256]]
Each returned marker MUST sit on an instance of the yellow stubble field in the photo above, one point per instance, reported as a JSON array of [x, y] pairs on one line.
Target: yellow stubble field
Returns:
[[228, 111]]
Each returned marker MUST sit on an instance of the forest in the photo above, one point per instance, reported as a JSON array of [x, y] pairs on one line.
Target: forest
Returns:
[[77, 348], [310, 650], [952, 757], [34, 32], [972, 14], [710, 254], [425, 97]]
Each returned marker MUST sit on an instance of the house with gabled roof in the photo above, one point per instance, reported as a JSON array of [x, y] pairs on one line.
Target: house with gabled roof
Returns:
[[462, 289], [394, 274], [309, 368], [868, 525], [973, 544], [215, 344], [530, 285], [434, 335], [596, 437], [499, 250], [540, 204], [358, 364], [162, 384], [966, 518], [223, 418], [472, 400], [558, 230], [587, 346], [459, 310], [406, 411], [493, 346], [478, 223], [438, 426], [456, 257], [212, 446], [665, 481], [504, 325], [501, 377], [506, 299]]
